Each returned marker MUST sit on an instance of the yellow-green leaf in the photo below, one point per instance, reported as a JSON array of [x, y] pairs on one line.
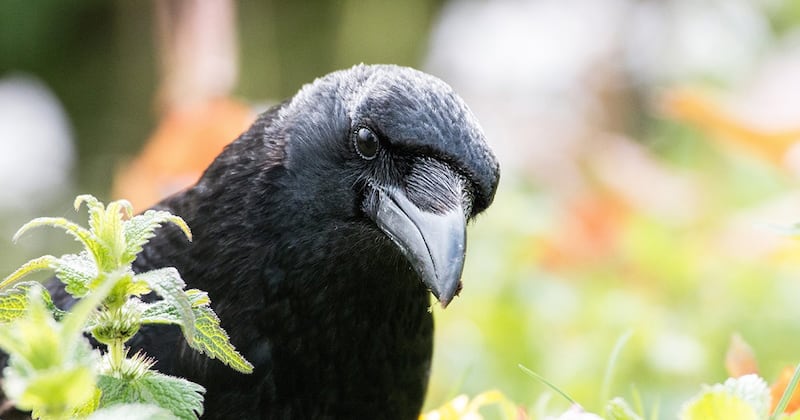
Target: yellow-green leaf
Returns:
[[167, 282], [160, 312], [33, 338], [13, 304], [89, 407], [77, 272], [140, 229], [213, 341], [14, 301], [46, 262], [78, 232], [61, 391]]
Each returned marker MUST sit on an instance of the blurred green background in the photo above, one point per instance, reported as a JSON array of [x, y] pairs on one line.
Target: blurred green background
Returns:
[[647, 150]]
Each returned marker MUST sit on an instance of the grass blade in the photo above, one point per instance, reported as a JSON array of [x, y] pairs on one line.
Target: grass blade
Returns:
[[541, 379], [605, 388]]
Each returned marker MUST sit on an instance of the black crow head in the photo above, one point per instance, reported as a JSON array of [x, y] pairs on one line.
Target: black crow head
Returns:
[[398, 150]]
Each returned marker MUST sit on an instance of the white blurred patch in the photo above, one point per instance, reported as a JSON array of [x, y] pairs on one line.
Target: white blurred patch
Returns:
[[652, 187], [676, 353], [771, 99], [36, 149], [576, 412], [674, 40], [546, 78], [523, 67]]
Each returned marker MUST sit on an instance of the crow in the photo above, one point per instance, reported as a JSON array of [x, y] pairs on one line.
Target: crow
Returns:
[[319, 235]]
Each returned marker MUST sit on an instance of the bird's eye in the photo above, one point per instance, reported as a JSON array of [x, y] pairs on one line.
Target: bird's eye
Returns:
[[366, 143]]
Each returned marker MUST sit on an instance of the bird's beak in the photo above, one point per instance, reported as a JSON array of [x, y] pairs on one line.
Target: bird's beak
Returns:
[[433, 243]]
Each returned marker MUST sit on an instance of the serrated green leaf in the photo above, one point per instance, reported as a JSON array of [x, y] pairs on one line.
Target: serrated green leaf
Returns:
[[77, 272], [718, 405], [198, 297], [105, 222], [213, 341], [95, 208], [113, 231], [160, 312], [78, 232], [14, 301], [132, 412], [167, 282], [37, 264], [182, 398], [140, 229], [33, 338], [209, 338], [92, 203]]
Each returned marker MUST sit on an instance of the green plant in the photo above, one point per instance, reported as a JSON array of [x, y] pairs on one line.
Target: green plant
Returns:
[[52, 369]]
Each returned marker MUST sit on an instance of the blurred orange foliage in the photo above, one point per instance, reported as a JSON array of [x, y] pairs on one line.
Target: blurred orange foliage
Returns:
[[185, 142], [589, 231], [701, 111]]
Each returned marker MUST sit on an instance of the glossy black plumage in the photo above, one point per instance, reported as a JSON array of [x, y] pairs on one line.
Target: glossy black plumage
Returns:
[[319, 299], [291, 243]]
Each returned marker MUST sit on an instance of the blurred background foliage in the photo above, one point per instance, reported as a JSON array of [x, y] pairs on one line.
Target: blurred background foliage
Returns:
[[648, 154]]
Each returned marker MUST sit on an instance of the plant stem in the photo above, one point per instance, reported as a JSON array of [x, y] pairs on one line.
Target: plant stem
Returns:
[[117, 351]]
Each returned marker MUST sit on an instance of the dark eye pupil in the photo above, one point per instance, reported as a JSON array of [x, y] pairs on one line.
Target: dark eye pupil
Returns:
[[366, 143]]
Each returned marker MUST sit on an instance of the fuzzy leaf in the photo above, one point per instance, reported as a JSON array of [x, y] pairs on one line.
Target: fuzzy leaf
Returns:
[[104, 220], [209, 337], [113, 231], [13, 304], [78, 232], [168, 284], [198, 297], [213, 341], [77, 272], [33, 338], [46, 262], [106, 224], [14, 301], [140, 229], [95, 208], [181, 397], [160, 312]]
